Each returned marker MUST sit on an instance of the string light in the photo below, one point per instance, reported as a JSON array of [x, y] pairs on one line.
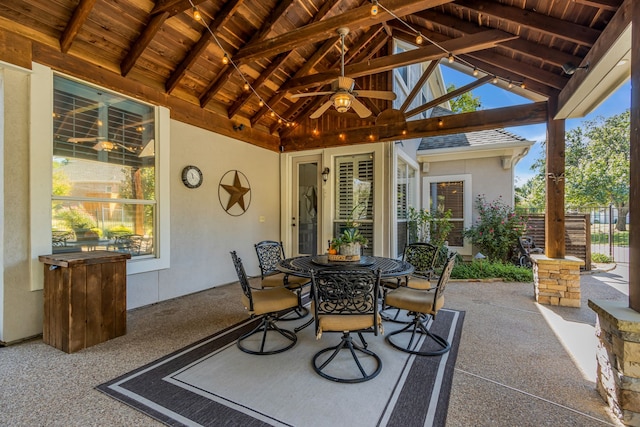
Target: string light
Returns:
[[475, 72], [419, 39], [196, 14], [495, 80], [374, 7], [440, 122], [226, 60], [451, 59], [510, 84]]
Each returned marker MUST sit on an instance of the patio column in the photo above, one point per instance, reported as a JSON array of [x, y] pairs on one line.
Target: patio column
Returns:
[[634, 164], [554, 245]]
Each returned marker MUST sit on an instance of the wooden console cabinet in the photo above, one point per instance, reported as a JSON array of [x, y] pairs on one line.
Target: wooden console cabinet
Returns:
[[85, 298]]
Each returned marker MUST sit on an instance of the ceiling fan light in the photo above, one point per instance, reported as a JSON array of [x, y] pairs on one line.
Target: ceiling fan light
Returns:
[[342, 102]]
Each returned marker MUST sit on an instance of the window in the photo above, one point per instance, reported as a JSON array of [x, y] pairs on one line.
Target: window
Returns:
[[405, 198], [451, 193], [104, 171], [354, 193]]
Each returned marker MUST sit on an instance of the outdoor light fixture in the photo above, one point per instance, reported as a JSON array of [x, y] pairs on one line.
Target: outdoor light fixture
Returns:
[[569, 68], [374, 7], [239, 127], [342, 101], [325, 174]]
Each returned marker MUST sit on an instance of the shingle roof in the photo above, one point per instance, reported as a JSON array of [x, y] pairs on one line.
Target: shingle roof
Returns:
[[469, 139]]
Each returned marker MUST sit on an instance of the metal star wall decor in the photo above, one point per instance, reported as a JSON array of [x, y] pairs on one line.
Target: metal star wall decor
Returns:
[[234, 193]]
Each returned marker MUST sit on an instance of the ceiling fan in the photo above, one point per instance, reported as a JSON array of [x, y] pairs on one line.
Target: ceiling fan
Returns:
[[343, 97], [101, 143]]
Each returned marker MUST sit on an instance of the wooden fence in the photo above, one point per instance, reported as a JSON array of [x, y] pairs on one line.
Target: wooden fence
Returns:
[[577, 235]]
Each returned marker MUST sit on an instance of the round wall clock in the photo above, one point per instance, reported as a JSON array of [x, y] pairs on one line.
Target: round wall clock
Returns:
[[234, 193], [192, 176]]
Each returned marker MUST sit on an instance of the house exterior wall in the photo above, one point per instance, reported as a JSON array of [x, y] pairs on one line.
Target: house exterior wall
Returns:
[[202, 233]]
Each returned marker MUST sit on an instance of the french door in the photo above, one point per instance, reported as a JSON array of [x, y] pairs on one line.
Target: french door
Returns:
[[306, 209]]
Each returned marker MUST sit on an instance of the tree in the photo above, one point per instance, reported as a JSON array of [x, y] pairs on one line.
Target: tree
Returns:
[[596, 166], [464, 103]]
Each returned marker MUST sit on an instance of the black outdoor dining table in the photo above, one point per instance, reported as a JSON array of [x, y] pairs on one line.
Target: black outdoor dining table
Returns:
[[301, 266]]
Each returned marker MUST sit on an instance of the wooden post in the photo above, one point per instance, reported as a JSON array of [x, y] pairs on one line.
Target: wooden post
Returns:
[[634, 164], [554, 244]]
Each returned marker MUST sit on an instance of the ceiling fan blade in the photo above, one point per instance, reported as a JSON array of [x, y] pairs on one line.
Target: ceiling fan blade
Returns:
[[360, 108], [324, 107], [345, 83], [377, 94], [302, 95]]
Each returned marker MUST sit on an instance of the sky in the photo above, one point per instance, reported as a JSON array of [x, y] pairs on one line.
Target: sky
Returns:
[[495, 97]]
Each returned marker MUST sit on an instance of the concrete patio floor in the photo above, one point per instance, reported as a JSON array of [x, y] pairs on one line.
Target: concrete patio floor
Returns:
[[519, 363]]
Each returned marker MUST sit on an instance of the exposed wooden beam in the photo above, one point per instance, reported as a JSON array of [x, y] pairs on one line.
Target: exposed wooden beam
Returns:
[[549, 25], [173, 6], [517, 115], [418, 86], [275, 64], [148, 33], [80, 15], [201, 45], [610, 5], [225, 74], [479, 41], [318, 31], [448, 96], [451, 25], [15, 49], [181, 110], [618, 24]]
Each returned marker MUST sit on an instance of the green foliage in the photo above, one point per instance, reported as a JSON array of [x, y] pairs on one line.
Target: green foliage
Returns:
[[596, 168], [119, 230], [491, 270], [464, 103], [76, 218], [497, 229], [431, 227], [351, 233], [620, 238], [601, 258]]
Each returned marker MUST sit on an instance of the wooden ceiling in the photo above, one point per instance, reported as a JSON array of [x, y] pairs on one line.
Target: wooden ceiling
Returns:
[[158, 51]]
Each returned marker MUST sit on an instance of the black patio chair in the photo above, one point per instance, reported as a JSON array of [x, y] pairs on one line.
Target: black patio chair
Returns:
[[270, 253], [526, 247], [422, 305], [346, 301], [270, 304]]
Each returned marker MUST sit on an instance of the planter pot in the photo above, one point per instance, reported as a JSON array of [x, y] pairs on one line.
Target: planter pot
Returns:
[[350, 249]]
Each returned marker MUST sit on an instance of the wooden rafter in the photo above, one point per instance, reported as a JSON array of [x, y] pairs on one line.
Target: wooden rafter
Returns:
[[610, 5], [147, 35], [549, 25], [275, 64], [80, 15], [448, 96], [174, 6], [479, 41], [225, 74], [517, 115], [201, 45], [319, 31], [419, 84]]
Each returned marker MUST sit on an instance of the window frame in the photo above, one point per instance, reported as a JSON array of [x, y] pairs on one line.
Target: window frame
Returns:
[[412, 164], [41, 153], [466, 179]]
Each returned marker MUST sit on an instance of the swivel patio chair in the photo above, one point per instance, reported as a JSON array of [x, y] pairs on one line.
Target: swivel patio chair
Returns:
[[270, 304], [270, 253], [422, 256], [346, 301], [422, 305], [526, 247]]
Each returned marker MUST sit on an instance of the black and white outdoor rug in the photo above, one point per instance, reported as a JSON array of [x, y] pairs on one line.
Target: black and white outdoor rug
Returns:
[[213, 383]]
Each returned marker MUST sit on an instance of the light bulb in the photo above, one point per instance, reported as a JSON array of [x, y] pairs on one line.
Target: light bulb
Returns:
[[419, 39], [225, 59], [374, 8], [261, 103], [451, 58], [272, 114], [196, 14], [246, 86], [495, 80], [522, 85], [510, 84], [475, 72]]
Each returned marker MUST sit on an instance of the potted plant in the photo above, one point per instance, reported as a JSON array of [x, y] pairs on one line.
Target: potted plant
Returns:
[[350, 240]]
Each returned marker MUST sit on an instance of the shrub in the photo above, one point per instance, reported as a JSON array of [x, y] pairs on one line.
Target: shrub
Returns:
[[602, 258], [497, 229], [491, 270], [426, 226]]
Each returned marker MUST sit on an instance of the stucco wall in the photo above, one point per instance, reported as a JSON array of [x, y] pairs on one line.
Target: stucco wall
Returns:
[[22, 308], [202, 233]]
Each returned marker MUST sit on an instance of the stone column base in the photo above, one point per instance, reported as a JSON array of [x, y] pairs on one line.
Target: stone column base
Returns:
[[618, 356], [556, 281]]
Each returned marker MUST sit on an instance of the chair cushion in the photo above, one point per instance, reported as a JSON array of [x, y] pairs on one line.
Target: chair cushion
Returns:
[[413, 300], [344, 322], [271, 300], [295, 282], [273, 281], [417, 282]]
